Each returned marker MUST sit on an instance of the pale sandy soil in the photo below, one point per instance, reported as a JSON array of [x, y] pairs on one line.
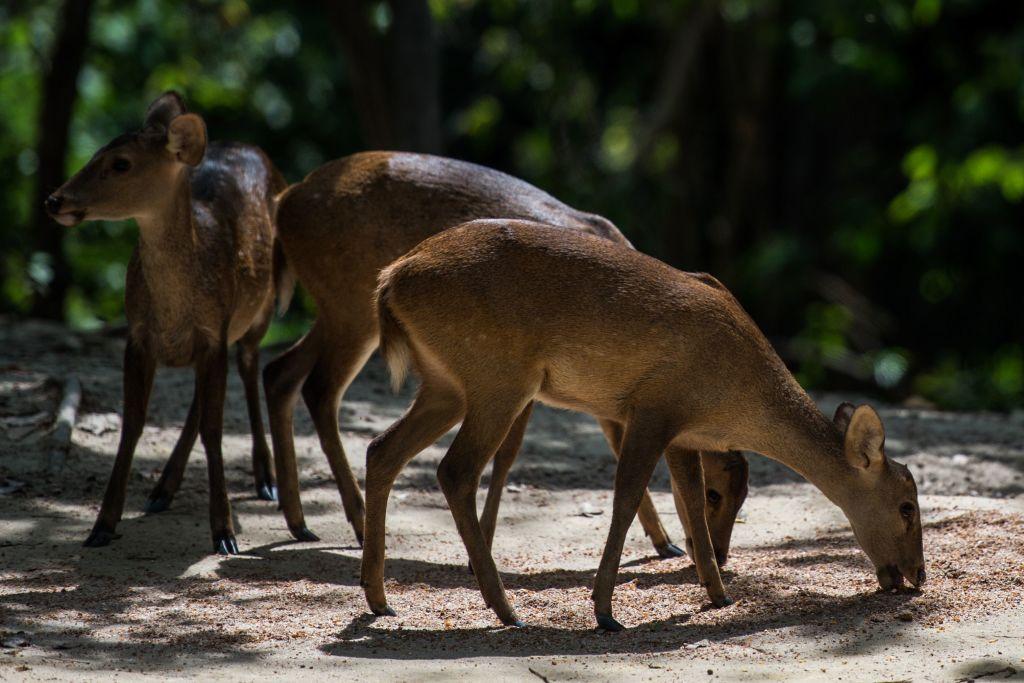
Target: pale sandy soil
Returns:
[[155, 603]]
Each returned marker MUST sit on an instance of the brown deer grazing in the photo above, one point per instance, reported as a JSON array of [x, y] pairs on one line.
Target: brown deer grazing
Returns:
[[200, 279], [339, 227], [496, 314]]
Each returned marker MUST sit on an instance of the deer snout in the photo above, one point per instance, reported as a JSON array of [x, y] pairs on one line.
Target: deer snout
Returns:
[[52, 204], [892, 576], [915, 575], [889, 577], [57, 206]]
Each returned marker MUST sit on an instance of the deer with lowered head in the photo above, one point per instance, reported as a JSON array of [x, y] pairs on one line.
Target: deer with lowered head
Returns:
[[339, 227], [201, 278], [494, 315]]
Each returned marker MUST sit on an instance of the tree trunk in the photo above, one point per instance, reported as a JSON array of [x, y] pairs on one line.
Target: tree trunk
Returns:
[[394, 73], [364, 56], [60, 90], [415, 91], [675, 86], [684, 108], [748, 60], [674, 109]]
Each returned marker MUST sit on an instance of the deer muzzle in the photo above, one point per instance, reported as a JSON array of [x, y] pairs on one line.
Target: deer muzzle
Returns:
[[59, 211], [892, 576]]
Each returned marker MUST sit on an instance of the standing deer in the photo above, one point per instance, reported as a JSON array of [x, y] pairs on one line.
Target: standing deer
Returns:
[[339, 227], [200, 279], [496, 314]]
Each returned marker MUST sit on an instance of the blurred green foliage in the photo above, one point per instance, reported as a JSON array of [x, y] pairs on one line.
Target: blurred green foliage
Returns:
[[854, 171]]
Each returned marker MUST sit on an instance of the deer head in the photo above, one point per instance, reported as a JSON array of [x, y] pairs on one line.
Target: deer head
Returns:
[[130, 175]]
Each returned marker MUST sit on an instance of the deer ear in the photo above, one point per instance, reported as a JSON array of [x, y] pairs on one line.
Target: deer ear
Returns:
[[186, 139], [164, 109], [865, 439], [844, 411]]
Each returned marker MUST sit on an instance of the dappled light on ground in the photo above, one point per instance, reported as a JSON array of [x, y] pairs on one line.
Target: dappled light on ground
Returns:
[[155, 599]]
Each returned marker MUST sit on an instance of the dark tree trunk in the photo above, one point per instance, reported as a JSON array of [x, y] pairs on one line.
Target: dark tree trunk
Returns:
[[674, 109], [696, 129], [394, 74], [415, 81], [748, 59], [60, 90], [364, 56], [675, 86]]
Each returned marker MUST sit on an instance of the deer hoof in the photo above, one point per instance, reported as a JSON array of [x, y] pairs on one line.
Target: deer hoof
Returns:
[[386, 611], [100, 537], [157, 504], [605, 622], [669, 550], [302, 533], [225, 544], [724, 601], [266, 492]]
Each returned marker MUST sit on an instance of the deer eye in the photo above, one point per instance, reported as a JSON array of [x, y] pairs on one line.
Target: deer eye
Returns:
[[907, 510], [121, 165], [714, 497]]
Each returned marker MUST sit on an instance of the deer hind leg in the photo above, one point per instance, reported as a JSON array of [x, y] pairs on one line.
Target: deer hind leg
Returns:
[[486, 425], [649, 518], [249, 370], [163, 493], [689, 479], [282, 379], [432, 413], [322, 393], [642, 444], [503, 460]]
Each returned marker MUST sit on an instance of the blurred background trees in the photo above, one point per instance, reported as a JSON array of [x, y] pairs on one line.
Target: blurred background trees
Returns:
[[854, 171]]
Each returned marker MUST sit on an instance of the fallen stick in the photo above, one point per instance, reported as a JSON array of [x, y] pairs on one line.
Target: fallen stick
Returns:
[[538, 674], [65, 424]]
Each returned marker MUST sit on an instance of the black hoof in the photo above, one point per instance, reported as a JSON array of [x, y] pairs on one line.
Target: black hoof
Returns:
[[386, 612], [303, 533], [607, 623], [225, 544], [157, 504], [100, 537], [725, 602], [669, 550], [266, 492], [514, 623]]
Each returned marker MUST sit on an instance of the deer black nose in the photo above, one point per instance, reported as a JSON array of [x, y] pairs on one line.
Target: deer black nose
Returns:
[[53, 203]]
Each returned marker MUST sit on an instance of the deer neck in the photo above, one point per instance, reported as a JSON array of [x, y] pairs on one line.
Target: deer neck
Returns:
[[802, 438], [168, 251]]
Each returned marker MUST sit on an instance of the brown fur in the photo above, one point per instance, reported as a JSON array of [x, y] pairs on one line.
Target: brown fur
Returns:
[[495, 314], [199, 280], [339, 227]]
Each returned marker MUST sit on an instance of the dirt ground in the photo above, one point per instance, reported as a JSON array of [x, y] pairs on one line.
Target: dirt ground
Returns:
[[156, 603]]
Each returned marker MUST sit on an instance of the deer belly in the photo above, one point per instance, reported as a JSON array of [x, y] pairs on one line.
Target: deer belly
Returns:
[[251, 311], [587, 384]]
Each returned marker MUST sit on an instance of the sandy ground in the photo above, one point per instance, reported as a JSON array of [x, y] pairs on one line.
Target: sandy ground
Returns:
[[155, 603]]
